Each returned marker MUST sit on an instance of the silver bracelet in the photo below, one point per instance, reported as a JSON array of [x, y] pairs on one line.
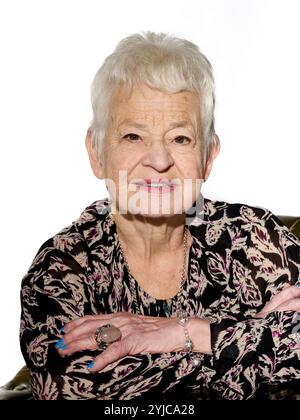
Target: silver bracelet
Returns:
[[183, 320]]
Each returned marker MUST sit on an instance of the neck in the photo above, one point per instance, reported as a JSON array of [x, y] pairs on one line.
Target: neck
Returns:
[[149, 238]]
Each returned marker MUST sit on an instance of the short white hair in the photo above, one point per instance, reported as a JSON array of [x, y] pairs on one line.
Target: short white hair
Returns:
[[162, 62]]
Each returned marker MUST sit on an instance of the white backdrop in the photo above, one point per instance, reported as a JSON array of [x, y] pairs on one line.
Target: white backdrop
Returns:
[[50, 50]]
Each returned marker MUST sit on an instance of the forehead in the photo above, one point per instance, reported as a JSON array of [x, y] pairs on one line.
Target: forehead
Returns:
[[144, 103]]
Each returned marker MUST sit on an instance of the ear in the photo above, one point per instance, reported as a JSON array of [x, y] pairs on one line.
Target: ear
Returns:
[[96, 164], [214, 151]]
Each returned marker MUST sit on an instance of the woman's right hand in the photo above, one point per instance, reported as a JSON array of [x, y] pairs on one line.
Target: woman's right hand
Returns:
[[286, 300]]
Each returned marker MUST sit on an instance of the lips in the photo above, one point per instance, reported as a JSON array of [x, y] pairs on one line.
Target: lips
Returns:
[[156, 182], [156, 185]]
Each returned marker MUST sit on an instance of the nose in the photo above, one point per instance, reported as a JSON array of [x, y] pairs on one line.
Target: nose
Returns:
[[158, 157]]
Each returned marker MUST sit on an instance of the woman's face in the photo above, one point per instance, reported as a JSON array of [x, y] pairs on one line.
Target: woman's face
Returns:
[[152, 151]]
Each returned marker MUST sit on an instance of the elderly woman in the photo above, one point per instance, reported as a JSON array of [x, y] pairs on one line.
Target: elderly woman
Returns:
[[156, 290]]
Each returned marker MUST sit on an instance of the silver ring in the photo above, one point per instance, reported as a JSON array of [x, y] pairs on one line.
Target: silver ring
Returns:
[[106, 335]]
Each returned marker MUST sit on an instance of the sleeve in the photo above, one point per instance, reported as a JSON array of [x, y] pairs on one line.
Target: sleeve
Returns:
[[54, 291], [249, 351]]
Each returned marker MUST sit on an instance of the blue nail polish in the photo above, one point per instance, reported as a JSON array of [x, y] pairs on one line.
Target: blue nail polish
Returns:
[[60, 343], [63, 347], [90, 365], [62, 330], [298, 285]]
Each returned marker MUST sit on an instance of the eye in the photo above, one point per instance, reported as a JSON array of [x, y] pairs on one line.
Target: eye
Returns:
[[131, 137], [182, 140]]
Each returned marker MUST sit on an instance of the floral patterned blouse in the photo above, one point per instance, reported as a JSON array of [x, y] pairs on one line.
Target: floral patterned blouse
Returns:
[[239, 258]]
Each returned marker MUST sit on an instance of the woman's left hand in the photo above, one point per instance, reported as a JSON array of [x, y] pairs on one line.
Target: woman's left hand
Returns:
[[286, 300], [140, 334]]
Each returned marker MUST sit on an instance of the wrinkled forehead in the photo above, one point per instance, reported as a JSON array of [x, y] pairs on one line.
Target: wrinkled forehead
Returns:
[[143, 105]]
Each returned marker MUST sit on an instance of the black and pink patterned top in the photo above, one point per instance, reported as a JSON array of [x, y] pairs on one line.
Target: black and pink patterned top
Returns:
[[239, 258]]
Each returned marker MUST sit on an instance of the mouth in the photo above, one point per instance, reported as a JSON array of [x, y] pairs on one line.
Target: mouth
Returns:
[[157, 185]]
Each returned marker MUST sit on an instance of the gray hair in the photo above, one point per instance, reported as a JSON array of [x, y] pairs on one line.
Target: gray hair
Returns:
[[162, 62]]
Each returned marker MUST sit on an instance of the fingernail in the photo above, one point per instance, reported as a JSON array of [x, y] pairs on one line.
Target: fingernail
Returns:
[[62, 330], [60, 344], [63, 347], [298, 285], [91, 364]]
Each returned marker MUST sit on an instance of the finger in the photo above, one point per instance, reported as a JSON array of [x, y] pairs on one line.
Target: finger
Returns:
[[79, 321], [113, 353], [89, 327], [290, 292], [72, 343], [85, 328], [84, 336], [291, 305], [84, 343]]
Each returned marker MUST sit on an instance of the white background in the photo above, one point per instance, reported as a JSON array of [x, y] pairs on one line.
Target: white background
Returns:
[[50, 51]]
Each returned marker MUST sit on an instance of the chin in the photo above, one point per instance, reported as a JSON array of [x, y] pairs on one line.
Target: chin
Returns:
[[156, 215], [154, 206], [156, 212]]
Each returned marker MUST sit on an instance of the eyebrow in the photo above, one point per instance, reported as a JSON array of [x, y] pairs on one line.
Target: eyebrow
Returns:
[[176, 124]]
